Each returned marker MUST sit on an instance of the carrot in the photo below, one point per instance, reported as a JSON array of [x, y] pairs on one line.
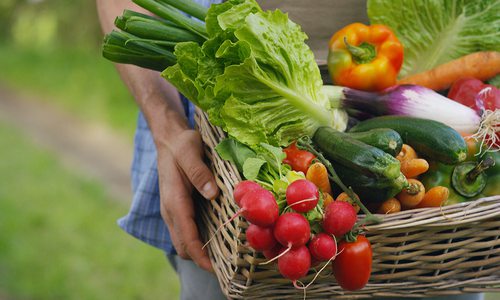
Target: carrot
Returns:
[[317, 174], [481, 65], [390, 206], [434, 197], [406, 153], [343, 197], [327, 199], [413, 167], [412, 195]]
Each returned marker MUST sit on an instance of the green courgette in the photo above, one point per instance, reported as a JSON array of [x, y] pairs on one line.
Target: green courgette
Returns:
[[386, 139], [340, 148], [371, 189], [430, 138]]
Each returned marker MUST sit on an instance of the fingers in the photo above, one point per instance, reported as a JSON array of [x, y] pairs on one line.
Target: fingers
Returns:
[[189, 157], [177, 210]]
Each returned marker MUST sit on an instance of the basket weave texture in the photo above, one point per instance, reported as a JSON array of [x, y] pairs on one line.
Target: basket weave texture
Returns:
[[422, 252]]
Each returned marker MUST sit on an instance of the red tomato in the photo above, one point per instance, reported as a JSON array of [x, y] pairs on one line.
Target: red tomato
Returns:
[[299, 160], [353, 266], [466, 90]]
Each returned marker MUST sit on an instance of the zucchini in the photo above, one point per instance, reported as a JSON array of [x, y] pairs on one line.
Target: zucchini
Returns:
[[370, 189], [429, 138], [340, 148], [386, 139]]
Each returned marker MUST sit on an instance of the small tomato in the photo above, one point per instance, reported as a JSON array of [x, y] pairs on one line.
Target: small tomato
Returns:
[[299, 160]]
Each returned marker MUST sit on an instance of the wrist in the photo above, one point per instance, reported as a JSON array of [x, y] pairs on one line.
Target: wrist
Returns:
[[166, 126]]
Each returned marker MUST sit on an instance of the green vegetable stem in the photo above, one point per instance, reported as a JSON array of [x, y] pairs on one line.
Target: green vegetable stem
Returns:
[[305, 143]]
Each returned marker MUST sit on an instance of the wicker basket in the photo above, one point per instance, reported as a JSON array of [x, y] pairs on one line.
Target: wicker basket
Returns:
[[416, 253]]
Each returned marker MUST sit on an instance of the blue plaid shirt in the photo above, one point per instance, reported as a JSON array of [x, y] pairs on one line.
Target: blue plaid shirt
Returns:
[[144, 220]]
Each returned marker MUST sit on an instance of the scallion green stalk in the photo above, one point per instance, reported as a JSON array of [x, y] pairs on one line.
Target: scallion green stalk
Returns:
[[155, 30], [189, 7], [171, 14]]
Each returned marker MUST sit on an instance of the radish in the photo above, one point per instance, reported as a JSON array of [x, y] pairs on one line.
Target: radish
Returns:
[[273, 252], [292, 230], [339, 219], [242, 188], [260, 238], [322, 247], [258, 207], [302, 195], [295, 263]]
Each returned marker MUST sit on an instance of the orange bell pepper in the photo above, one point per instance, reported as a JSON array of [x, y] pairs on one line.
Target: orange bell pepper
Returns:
[[365, 57]]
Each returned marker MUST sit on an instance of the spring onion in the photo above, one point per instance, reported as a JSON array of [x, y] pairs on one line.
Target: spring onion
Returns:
[[407, 100]]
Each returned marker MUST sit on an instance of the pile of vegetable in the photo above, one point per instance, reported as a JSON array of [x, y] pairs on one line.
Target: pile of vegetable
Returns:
[[313, 156]]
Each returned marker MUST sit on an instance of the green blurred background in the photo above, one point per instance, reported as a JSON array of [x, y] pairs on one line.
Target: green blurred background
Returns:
[[58, 232]]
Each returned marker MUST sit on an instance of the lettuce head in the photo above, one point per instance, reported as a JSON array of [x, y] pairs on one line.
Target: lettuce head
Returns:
[[254, 76]]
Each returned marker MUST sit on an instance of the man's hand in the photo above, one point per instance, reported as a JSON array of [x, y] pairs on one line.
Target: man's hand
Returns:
[[180, 167]]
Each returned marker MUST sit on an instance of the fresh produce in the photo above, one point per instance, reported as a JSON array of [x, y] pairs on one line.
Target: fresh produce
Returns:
[[440, 175], [411, 168], [407, 153], [327, 199], [292, 230], [411, 196], [480, 65], [260, 238], [298, 159], [390, 206], [344, 197], [339, 219], [411, 101], [430, 138], [469, 178], [317, 174], [340, 148], [435, 32], [365, 57], [353, 265], [295, 263], [466, 91], [259, 207], [434, 197], [385, 139], [323, 247], [370, 188], [242, 188], [302, 195], [274, 81], [273, 252]]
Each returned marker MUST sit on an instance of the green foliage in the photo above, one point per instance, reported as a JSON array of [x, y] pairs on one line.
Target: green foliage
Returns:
[[434, 32], [254, 69], [59, 239]]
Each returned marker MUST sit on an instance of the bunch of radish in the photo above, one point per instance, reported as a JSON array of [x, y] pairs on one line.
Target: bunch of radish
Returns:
[[287, 237]]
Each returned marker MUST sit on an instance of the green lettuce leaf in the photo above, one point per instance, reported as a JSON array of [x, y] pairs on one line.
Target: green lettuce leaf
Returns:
[[254, 76], [434, 32]]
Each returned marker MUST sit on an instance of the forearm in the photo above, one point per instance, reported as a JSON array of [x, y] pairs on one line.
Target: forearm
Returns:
[[158, 100]]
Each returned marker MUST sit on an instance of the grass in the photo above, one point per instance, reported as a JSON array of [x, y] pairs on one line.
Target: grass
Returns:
[[58, 236], [77, 79]]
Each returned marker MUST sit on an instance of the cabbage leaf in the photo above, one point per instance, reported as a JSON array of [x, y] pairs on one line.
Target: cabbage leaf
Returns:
[[254, 76], [434, 32]]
